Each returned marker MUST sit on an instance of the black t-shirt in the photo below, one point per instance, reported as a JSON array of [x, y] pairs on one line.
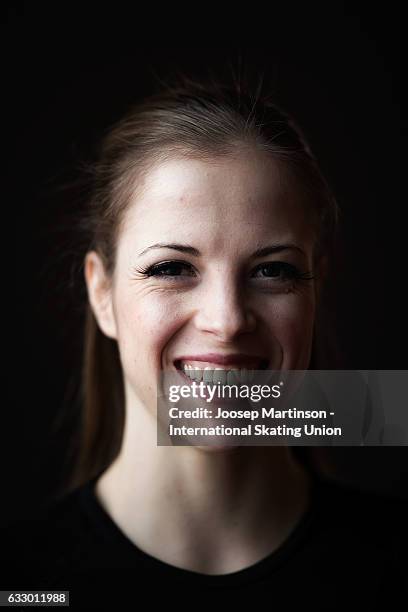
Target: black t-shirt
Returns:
[[348, 550]]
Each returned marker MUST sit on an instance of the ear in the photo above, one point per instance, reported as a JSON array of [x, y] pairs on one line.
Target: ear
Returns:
[[100, 293]]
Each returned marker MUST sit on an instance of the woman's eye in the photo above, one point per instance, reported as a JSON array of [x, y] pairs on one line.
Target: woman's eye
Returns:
[[278, 270], [171, 268]]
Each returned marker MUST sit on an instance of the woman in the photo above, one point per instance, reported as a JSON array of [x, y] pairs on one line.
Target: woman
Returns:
[[210, 226]]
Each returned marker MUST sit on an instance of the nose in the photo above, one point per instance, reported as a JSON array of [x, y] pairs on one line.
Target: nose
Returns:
[[224, 311]]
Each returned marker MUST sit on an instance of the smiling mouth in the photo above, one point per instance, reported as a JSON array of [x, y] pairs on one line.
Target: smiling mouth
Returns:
[[211, 373]]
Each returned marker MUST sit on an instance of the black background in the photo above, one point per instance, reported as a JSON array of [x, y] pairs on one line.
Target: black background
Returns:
[[339, 68]]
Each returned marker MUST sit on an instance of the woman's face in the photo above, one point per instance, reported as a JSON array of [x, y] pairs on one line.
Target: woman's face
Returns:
[[231, 288]]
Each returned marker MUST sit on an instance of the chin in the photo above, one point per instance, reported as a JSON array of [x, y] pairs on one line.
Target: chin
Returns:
[[219, 448]]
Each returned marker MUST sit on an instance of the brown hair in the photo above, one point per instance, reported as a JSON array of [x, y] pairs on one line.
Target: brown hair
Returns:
[[188, 119]]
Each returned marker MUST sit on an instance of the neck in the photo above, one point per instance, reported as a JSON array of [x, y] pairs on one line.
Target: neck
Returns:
[[210, 511]]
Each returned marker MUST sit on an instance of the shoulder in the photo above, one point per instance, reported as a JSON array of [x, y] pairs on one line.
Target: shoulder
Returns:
[[53, 535], [59, 514], [356, 504], [369, 525]]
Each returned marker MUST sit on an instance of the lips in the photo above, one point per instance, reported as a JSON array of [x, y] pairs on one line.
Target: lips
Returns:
[[232, 360], [213, 368]]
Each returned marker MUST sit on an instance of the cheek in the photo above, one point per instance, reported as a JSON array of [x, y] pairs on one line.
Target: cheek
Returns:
[[292, 323], [145, 326]]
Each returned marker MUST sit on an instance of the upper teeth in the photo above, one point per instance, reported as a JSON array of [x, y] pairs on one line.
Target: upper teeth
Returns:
[[215, 375]]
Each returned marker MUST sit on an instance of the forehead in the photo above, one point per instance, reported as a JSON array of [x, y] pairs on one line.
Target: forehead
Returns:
[[246, 196]]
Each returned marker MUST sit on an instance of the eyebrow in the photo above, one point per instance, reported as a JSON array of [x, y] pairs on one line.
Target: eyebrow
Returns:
[[185, 248]]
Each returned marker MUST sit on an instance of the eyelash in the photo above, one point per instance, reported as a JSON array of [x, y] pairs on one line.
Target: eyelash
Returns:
[[291, 272]]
